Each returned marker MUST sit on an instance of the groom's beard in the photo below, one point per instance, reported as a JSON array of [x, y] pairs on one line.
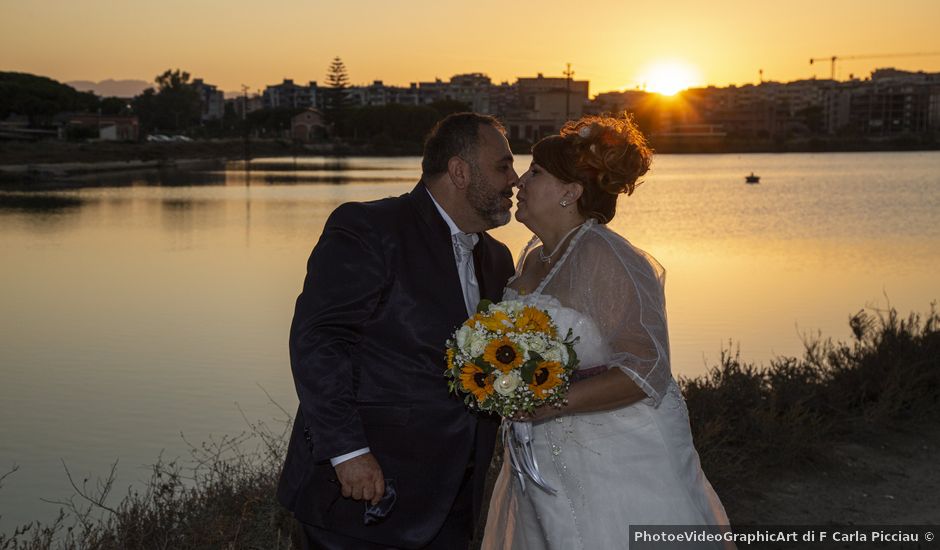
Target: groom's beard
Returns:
[[486, 201]]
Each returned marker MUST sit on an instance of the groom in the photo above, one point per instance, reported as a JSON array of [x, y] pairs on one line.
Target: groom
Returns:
[[387, 284]]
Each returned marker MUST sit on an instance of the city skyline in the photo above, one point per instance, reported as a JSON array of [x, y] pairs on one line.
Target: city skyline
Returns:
[[238, 42]]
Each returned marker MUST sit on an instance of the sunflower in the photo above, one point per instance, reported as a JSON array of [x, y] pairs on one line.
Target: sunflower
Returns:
[[503, 354], [532, 319], [547, 375], [450, 359], [493, 322], [476, 381]]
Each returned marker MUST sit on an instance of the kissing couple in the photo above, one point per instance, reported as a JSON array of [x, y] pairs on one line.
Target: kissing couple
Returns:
[[383, 456]]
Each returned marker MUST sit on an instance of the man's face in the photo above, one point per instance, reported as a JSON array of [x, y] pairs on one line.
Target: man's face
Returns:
[[492, 178]]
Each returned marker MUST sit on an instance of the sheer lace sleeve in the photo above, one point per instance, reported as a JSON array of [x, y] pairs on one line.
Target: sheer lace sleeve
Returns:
[[533, 243], [620, 288]]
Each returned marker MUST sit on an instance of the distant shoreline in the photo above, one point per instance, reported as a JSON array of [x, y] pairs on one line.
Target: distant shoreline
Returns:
[[22, 162]]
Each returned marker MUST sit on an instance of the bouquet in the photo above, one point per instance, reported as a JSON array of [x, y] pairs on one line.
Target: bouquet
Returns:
[[509, 358]]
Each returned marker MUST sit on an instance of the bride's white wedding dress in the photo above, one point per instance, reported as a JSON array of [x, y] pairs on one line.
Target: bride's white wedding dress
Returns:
[[631, 466]]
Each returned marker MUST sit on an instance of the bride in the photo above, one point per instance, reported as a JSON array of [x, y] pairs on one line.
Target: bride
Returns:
[[620, 452]]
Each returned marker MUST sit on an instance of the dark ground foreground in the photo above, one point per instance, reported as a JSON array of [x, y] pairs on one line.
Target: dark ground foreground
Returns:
[[891, 477]]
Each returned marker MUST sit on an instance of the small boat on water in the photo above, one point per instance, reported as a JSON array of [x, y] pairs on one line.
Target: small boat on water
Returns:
[[753, 178]]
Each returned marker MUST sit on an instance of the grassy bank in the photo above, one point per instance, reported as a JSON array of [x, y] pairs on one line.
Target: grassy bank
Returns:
[[750, 423]]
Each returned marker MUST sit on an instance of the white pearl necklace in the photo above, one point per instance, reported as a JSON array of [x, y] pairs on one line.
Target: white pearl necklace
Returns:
[[546, 258]]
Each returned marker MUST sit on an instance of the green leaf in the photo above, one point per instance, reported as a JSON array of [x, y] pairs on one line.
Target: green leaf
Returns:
[[487, 368], [528, 370], [569, 340], [572, 357], [484, 305]]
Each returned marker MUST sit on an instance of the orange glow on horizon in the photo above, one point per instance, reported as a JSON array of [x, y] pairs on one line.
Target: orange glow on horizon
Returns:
[[670, 77], [416, 41]]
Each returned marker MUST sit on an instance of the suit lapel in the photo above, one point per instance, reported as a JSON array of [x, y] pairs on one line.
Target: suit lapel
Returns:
[[482, 268], [437, 235]]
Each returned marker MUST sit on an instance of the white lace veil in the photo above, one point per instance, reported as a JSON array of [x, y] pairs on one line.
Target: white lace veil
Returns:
[[620, 287]]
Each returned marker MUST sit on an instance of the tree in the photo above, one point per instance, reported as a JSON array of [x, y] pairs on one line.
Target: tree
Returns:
[[395, 127], [336, 102], [446, 107], [40, 98], [175, 105], [272, 121], [113, 106], [337, 77], [172, 80]]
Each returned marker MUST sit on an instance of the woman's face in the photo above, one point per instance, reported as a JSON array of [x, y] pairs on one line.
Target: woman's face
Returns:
[[539, 197]]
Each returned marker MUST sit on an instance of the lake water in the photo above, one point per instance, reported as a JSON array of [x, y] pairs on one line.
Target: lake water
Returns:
[[141, 307]]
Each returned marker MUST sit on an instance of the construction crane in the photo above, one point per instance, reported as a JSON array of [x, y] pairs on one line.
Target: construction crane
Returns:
[[834, 58]]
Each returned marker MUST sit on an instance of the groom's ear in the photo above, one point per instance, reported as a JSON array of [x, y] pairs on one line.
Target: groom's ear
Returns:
[[459, 171]]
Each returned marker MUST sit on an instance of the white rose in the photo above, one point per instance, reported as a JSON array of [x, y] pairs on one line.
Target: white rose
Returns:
[[558, 353], [476, 343], [509, 307], [463, 334], [539, 346], [505, 384], [523, 346]]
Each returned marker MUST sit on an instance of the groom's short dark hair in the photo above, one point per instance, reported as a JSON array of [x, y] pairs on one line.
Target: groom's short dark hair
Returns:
[[456, 135]]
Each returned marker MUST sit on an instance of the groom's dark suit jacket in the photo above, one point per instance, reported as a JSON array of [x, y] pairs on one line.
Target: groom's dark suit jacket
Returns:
[[381, 297]]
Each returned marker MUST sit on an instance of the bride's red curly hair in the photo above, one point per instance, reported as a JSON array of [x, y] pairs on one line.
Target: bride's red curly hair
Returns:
[[606, 155]]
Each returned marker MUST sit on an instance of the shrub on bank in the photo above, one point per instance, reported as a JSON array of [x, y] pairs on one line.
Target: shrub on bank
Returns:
[[747, 419]]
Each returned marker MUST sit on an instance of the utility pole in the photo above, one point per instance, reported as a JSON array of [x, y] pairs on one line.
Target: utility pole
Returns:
[[245, 124], [568, 74]]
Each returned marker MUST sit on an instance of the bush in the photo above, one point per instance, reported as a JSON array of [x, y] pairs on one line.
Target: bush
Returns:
[[748, 419]]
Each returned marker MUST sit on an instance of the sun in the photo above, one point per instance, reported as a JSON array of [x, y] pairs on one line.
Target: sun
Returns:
[[669, 77]]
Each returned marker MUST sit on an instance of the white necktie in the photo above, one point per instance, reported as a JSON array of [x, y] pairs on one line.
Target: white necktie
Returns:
[[463, 250]]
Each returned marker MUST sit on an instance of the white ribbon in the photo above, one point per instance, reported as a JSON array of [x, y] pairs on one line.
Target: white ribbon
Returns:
[[517, 437]]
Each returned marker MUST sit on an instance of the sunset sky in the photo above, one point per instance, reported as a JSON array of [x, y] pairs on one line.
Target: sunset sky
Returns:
[[616, 44]]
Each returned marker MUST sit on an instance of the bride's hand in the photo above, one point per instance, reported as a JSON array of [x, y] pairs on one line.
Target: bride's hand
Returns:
[[547, 412], [541, 414]]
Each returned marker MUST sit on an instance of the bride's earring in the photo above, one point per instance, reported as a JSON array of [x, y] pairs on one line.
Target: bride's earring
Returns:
[[564, 203]]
